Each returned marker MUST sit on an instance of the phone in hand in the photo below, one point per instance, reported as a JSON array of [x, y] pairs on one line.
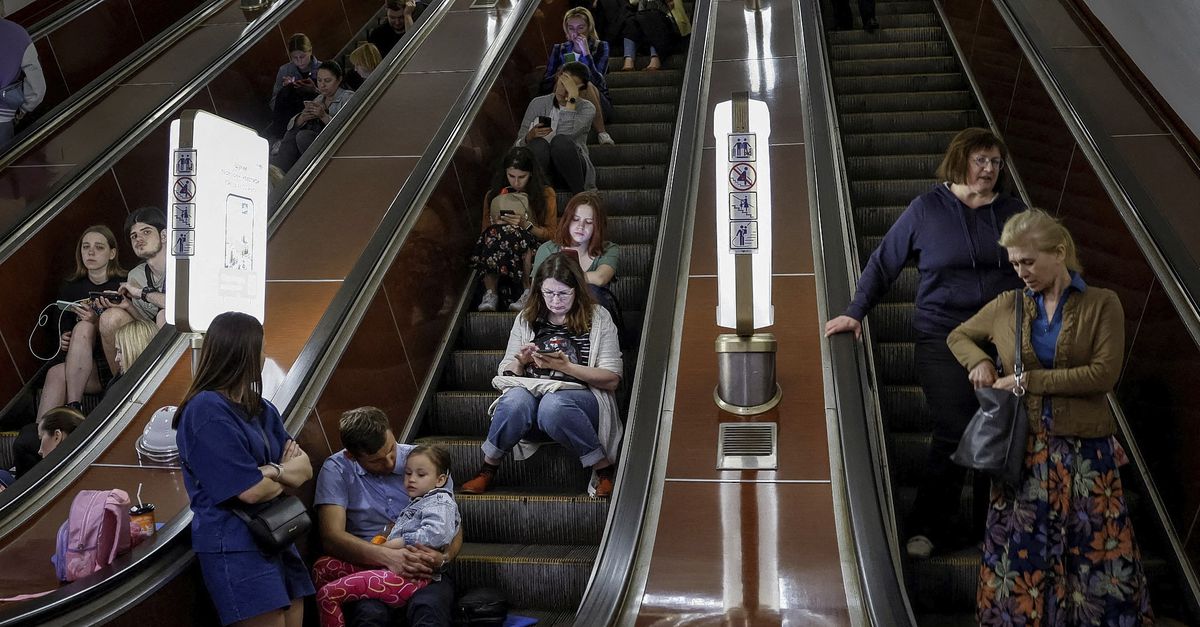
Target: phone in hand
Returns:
[[570, 252], [547, 351], [66, 305], [112, 297], [571, 57], [543, 120], [506, 212]]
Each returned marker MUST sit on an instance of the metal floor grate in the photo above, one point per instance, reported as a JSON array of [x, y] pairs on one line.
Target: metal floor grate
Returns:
[[747, 446]]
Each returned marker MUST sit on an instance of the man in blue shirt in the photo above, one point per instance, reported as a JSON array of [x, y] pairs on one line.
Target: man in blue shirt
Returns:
[[360, 492]]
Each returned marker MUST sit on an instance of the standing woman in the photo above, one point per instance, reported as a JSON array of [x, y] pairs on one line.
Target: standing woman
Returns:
[[584, 46], [950, 233], [1063, 534], [504, 252], [235, 450]]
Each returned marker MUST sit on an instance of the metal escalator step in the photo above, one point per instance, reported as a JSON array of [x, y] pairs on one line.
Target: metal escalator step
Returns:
[[946, 582], [903, 408], [673, 62], [882, 166], [897, 7], [543, 576], [633, 229], [894, 363], [460, 413], [621, 80], [895, 50], [630, 153], [906, 496], [645, 175], [905, 101], [624, 202], [892, 322], [888, 192], [625, 113], [909, 20], [887, 35], [629, 132], [524, 516], [551, 468], [634, 260], [471, 370], [664, 93], [945, 81], [631, 293], [875, 221], [909, 121], [884, 143], [875, 67]]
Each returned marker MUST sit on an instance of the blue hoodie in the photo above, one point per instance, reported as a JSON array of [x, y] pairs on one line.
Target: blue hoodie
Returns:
[[956, 250]]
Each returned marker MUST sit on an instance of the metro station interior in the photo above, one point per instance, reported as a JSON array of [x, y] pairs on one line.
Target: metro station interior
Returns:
[[371, 298]]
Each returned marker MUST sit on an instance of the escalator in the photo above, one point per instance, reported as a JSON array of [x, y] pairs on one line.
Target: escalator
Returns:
[[901, 95]]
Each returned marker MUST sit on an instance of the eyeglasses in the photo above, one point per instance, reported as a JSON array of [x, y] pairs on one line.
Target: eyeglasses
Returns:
[[981, 162], [563, 295]]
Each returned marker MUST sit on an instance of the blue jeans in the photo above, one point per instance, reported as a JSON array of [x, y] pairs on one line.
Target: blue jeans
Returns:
[[631, 48], [568, 417]]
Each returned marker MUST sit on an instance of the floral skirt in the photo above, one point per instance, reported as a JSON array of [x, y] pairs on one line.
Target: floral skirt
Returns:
[[500, 250], [1060, 550]]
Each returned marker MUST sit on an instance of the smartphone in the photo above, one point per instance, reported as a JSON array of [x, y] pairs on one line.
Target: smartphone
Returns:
[[112, 297], [570, 57], [571, 252], [547, 351], [543, 120], [506, 212], [66, 305]]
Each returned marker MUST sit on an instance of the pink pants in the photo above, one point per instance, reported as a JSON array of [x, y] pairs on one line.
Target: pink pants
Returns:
[[341, 582]]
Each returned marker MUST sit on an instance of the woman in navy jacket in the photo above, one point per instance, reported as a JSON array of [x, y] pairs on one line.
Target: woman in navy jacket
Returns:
[[235, 450], [952, 234]]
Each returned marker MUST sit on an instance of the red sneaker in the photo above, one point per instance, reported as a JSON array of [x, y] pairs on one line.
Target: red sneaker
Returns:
[[604, 488], [482, 482]]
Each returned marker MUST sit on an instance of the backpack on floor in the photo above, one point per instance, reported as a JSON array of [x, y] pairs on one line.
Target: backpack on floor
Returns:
[[94, 534]]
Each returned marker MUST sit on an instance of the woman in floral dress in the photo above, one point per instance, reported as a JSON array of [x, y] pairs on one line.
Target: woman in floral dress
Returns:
[[1060, 547]]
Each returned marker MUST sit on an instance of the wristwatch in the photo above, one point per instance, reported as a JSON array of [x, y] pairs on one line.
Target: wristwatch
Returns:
[[572, 100], [278, 469], [147, 291]]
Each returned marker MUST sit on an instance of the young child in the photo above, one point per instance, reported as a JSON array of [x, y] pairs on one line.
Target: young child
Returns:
[[431, 519]]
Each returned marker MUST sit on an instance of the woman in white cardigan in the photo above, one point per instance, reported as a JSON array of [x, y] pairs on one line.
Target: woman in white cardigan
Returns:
[[559, 381]]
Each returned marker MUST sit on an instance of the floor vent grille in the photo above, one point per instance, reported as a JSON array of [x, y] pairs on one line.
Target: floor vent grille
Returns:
[[748, 446]]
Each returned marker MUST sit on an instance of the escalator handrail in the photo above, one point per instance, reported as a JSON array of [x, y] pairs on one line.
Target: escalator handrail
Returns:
[[851, 392], [1180, 281], [43, 27], [63, 193], [612, 571], [103, 85], [1163, 270]]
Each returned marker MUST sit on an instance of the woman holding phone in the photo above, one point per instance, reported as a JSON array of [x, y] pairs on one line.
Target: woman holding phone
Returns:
[[303, 129], [562, 339], [583, 46], [295, 82]]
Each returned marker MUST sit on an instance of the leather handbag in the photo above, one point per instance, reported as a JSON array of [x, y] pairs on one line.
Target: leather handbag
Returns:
[[277, 523], [994, 440]]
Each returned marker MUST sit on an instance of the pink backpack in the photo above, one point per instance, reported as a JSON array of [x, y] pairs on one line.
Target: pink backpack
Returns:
[[95, 532]]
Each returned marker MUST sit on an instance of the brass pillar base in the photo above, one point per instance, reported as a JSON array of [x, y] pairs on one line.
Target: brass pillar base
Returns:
[[748, 411]]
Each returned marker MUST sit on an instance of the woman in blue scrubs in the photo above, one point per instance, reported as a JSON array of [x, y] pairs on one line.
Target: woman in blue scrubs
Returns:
[[234, 449]]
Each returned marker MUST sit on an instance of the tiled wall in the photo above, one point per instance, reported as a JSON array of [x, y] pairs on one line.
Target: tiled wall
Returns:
[[1156, 389]]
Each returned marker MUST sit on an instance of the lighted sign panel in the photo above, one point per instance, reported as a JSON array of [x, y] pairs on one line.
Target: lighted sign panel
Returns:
[[216, 221], [743, 185]]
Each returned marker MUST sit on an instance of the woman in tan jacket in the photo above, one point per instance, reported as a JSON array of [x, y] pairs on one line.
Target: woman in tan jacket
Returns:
[[1059, 547]]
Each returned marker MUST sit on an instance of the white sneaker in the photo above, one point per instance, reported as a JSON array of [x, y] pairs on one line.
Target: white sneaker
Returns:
[[519, 304], [605, 138], [489, 301], [919, 547]]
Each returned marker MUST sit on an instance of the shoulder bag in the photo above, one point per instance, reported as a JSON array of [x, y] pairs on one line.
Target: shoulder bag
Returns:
[[994, 440]]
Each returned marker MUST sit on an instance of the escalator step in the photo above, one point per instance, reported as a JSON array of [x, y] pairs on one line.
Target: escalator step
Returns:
[[949, 81], [875, 221], [460, 413], [622, 80], [633, 229], [894, 361], [905, 101], [673, 62], [626, 113], [634, 260], [881, 166], [892, 322], [544, 577], [471, 370], [911, 121], [903, 408], [893, 67], [930, 142], [545, 618], [898, 7], [909, 20], [888, 192], [904, 288], [886, 36], [895, 50], [645, 176], [551, 468], [624, 202], [630, 132], [947, 582], [661, 93], [629, 153], [528, 516]]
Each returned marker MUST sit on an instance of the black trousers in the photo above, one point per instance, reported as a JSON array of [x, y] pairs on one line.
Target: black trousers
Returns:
[[429, 607], [845, 19], [25, 448], [951, 401], [559, 158]]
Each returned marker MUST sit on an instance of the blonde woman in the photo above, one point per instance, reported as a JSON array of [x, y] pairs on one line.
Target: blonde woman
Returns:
[[583, 46], [1063, 533], [363, 60]]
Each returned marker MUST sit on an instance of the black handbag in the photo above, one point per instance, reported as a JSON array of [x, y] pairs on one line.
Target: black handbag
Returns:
[[481, 606], [994, 441], [277, 523]]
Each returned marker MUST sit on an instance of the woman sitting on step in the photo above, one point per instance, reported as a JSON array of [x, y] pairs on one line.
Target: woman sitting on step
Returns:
[[584, 46], [558, 380], [581, 232], [504, 252]]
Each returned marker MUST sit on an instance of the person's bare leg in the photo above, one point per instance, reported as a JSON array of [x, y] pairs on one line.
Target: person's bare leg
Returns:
[[491, 282], [527, 261], [592, 95], [294, 615], [275, 618], [655, 64], [54, 390], [80, 367], [110, 321]]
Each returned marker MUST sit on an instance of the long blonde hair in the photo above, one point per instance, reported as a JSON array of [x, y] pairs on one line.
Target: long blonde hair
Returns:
[[1042, 231], [132, 339], [587, 17]]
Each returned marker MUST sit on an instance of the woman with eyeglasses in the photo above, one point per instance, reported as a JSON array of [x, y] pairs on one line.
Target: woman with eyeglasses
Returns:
[[562, 368], [951, 234]]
